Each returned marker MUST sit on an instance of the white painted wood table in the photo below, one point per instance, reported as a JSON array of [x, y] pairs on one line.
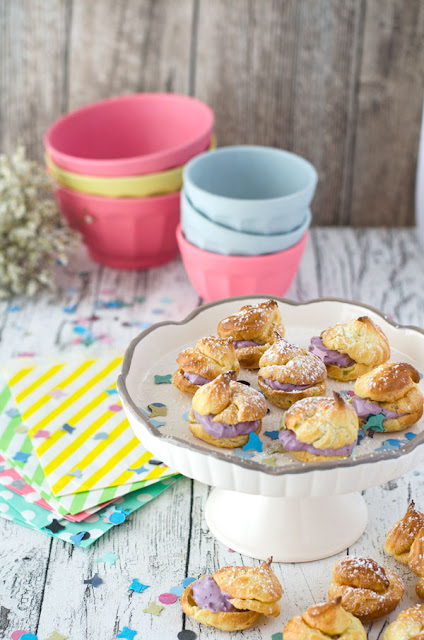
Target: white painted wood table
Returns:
[[41, 579]]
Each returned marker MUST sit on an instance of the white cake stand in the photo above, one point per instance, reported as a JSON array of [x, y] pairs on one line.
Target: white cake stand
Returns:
[[296, 512]]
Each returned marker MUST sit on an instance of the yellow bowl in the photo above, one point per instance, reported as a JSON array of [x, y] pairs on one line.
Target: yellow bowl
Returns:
[[151, 184]]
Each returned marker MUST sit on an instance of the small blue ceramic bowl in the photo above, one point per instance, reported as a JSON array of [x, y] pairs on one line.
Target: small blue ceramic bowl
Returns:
[[252, 189], [211, 236]]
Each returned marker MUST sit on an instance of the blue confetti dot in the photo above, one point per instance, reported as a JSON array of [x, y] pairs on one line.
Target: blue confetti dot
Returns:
[[188, 581], [177, 591], [185, 416], [410, 435]]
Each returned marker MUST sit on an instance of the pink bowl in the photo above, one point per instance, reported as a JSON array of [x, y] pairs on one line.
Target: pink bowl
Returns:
[[217, 276], [130, 135], [124, 233]]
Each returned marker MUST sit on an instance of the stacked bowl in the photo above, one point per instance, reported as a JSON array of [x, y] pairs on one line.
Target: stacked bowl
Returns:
[[118, 164], [244, 220]]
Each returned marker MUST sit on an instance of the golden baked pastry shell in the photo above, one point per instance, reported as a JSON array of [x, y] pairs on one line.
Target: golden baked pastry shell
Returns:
[[366, 604], [225, 443], [285, 399], [344, 374], [223, 620]]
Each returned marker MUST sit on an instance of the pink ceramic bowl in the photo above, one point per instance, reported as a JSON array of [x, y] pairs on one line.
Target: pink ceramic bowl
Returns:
[[130, 135], [217, 276], [124, 233]]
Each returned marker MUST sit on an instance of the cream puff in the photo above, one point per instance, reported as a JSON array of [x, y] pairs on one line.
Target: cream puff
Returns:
[[402, 535], [329, 620], [288, 373], [252, 330], [351, 349], [225, 412], [368, 591], [200, 364], [391, 389], [320, 429], [409, 625], [233, 598]]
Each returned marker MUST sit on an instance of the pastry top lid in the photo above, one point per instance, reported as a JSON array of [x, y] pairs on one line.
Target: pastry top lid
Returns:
[[253, 322], [250, 583], [388, 382], [361, 339], [230, 402]]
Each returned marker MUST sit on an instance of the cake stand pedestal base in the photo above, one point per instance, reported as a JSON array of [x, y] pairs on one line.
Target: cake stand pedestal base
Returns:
[[289, 529]]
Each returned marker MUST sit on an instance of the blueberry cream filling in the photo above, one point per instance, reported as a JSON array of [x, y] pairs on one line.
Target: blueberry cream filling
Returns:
[[195, 379], [365, 408], [286, 386], [207, 595], [290, 442], [241, 344], [222, 430], [329, 356]]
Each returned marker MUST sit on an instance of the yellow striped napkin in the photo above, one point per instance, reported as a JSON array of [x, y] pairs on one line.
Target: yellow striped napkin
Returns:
[[77, 426]]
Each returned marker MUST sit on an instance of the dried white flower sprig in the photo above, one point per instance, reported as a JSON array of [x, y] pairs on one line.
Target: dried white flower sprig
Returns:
[[33, 233]]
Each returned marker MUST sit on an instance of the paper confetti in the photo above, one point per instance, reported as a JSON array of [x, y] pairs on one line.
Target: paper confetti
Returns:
[[57, 394], [277, 636], [375, 423], [12, 413], [157, 423], [157, 409], [269, 461], [101, 435], [177, 590], [55, 635], [254, 442], [185, 416], [115, 408], [54, 526], [77, 538], [108, 557], [138, 586], [41, 433], [127, 633], [67, 427], [166, 379], [116, 516], [76, 473], [167, 598], [95, 581], [21, 456], [186, 581], [272, 434], [153, 608], [186, 634], [243, 454], [139, 470]]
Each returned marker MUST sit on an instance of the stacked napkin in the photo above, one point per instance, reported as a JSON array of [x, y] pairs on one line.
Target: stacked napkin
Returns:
[[70, 464]]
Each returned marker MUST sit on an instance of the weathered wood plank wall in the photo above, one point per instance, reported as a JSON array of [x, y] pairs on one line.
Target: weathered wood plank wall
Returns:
[[339, 81]]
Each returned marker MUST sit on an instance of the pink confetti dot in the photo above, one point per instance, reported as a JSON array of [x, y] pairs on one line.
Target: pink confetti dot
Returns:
[[17, 634], [115, 407], [167, 598]]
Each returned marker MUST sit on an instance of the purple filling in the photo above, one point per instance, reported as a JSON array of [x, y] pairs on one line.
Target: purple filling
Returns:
[[222, 430], [286, 386], [290, 442], [207, 595], [195, 379], [365, 408], [239, 344], [329, 356]]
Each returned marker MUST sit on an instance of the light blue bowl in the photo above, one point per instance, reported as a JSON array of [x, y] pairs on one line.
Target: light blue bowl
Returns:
[[252, 189], [211, 236]]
